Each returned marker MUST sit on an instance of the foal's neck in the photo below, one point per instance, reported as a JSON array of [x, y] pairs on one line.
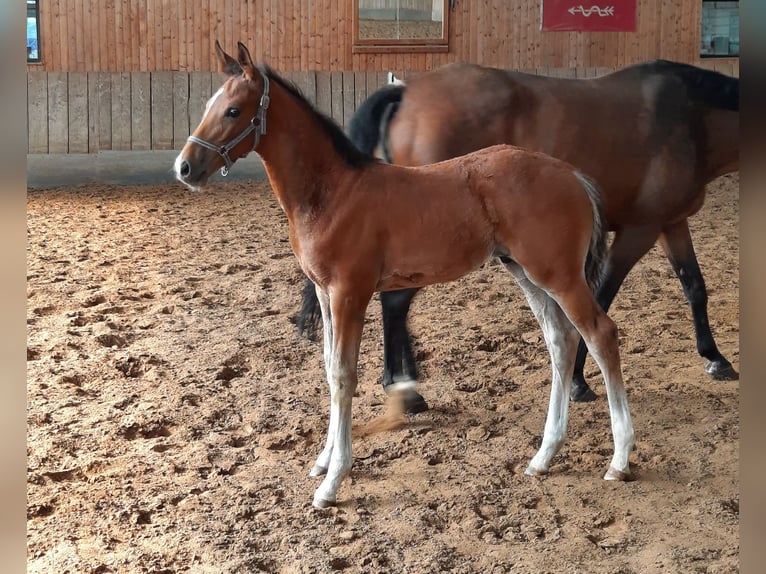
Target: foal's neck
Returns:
[[298, 154]]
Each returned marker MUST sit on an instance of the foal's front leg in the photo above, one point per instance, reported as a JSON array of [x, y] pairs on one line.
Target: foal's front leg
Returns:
[[323, 461], [341, 354]]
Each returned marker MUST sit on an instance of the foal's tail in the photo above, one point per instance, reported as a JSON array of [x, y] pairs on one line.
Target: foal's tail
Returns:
[[596, 258], [367, 130]]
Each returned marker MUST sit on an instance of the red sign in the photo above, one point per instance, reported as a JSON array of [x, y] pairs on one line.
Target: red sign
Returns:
[[589, 15]]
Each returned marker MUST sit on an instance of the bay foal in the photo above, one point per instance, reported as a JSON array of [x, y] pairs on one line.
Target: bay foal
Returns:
[[357, 225]]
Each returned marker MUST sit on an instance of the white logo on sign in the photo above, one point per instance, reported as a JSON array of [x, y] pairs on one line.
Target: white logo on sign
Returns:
[[607, 11]]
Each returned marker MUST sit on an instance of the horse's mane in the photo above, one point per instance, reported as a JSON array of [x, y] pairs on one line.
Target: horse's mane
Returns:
[[705, 87], [340, 142]]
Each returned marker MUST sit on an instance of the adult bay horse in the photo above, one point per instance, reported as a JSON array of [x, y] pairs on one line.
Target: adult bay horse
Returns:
[[651, 135], [358, 225]]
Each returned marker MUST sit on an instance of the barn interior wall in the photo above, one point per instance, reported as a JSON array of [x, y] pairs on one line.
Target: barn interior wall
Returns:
[[135, 74]]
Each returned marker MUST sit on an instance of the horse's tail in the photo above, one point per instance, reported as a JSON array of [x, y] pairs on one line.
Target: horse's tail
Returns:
[[367, 130], [596, 258], [369, 124], [705, 87]]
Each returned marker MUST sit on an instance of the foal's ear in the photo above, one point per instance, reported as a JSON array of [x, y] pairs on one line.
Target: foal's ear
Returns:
[[245, 61], [227, 64]]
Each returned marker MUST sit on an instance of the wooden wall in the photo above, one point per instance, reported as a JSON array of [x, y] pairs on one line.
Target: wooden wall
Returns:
[[135, 74], [88, 112], [178, 35]]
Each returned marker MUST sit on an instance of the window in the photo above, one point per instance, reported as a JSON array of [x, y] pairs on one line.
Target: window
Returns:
[[33, 31], [401, 25], [720, 29]]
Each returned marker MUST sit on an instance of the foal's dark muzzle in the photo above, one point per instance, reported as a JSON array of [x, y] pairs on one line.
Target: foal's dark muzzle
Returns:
[[194, 167], [184, 169]]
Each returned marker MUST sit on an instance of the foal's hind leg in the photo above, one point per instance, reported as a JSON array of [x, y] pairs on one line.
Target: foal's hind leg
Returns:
[[399, 367], [600, 335], [561, 339], [629, 245], [676, 241]]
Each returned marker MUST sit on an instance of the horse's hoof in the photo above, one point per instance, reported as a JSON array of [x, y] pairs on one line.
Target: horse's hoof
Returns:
[[721, 370], [414, 403], [532, 471], [321, 503], [582, 394], [614, 474], [318, 470]]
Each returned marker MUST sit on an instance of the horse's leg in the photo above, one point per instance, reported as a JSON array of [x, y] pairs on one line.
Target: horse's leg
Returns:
[[600, 335], [561, 339], [676, 241], [323, 461], [399, 368], [310, 313], [629, 245], [347, 311]]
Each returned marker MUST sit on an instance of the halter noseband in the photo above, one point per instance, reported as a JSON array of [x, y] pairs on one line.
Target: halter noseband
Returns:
[[257, 125]]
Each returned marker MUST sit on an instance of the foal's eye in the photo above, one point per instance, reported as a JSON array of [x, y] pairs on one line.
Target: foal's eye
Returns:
[[232, 113]]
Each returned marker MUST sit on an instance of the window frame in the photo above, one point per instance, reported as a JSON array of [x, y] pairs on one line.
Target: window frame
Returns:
[[401, 45], [713, 56], [36, 9]]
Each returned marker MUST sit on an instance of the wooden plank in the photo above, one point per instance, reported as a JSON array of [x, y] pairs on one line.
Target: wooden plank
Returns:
[[324, 92], [150, 34], [169, 18], [48, 34], [105, 34], [173, 32], [93, 112], [360, 88], [336, 97], [120, 110], [77, 113], [306, 81], [37, 111], [200, 90], [140, 111], [87, 31], [117, 51], [142, 15], [104, 111], [58, 113], [181, 128], [162, 110], [349, 97], [63, 38]]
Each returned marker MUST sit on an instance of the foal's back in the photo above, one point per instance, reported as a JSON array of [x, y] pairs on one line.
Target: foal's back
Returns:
[[437, 222]]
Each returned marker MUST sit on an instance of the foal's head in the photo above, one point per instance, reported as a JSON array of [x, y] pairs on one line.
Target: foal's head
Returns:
[[234, 120]]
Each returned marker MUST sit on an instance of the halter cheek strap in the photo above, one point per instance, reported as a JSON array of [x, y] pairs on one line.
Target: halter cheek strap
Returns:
[[257, 125]]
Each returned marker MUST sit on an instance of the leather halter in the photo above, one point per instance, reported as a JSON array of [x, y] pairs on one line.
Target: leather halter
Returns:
[[257, 125]]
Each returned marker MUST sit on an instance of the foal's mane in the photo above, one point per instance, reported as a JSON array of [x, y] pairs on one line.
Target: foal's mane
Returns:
[[340, 142]]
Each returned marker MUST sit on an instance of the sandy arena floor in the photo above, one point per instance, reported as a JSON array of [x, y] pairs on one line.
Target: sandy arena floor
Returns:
[[173, 413]]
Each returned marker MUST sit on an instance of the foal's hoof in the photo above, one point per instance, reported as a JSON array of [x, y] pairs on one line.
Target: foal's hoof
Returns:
[[532, 471], [614, 474], [321, 503], [318, 470], [582, 394], [721, 370]]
